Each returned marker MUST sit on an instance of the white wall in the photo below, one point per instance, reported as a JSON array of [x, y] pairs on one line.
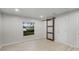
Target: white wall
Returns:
[[67, 29], [13, 29], [0, 28]]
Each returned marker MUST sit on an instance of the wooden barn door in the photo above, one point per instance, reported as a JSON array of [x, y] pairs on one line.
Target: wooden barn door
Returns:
[[50, 28]]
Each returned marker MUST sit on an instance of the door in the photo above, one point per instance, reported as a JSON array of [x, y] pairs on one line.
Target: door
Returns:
[[50, 28]]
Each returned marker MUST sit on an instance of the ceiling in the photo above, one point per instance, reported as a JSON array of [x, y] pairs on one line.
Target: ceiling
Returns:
[[39, 13]]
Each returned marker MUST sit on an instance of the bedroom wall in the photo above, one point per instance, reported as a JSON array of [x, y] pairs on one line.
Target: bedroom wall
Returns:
[[67, 29], [0, 29], [13, 29]]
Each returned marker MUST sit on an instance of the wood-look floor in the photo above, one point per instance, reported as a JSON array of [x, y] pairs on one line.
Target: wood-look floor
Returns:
[[39, 45]]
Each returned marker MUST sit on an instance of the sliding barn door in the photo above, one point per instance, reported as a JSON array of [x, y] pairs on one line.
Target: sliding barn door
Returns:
[[50, 28]]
